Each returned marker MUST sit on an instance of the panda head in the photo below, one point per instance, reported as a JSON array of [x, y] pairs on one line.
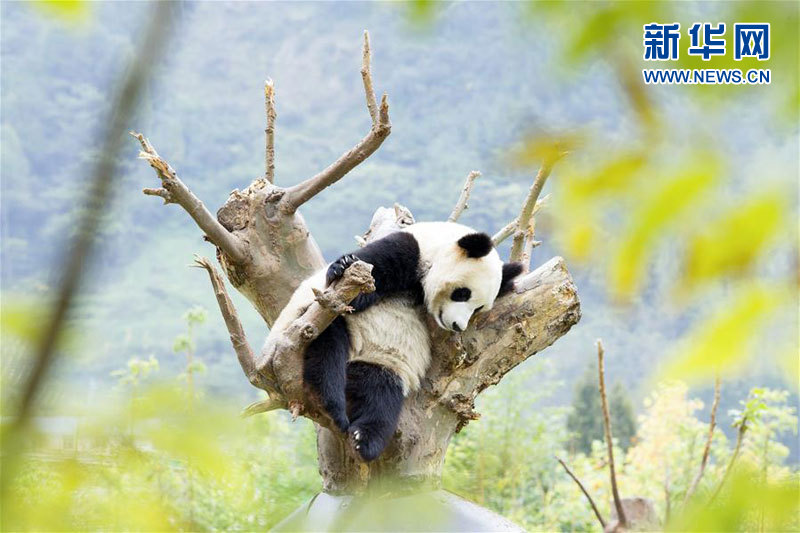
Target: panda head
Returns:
[[464, 272]]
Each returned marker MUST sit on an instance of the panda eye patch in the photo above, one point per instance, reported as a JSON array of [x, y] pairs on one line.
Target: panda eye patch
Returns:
[[461, 294]]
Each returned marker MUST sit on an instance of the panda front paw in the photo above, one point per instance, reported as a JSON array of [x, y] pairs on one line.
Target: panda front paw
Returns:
[[337, 268], [368, 446]]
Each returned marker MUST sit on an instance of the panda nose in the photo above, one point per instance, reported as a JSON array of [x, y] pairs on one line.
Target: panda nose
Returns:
[[456, 327]]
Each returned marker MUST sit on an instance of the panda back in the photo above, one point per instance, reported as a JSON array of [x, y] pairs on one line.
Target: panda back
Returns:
[[393, 334]]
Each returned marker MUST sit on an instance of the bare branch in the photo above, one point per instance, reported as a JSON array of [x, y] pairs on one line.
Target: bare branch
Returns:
[[263, 406], [180, 194], [381, 127], [243, 351], [609, 438], [269, 104], [366, 76], [585, 493], [526, 213], [529, 245], [461, 205], [505, 232], [511, 227], [707, 449]]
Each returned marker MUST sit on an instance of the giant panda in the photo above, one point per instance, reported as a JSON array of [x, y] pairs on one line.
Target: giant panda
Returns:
[[365, 363]]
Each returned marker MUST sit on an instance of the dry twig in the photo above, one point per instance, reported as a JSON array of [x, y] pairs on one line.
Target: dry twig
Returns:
[[238, 339], [269, 104], [462, 205], [734, 456], [707, 449], [585, 493], [609, 438]]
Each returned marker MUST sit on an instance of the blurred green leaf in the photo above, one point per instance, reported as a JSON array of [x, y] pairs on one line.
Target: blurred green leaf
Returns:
[[665, 202], [543, 149], [23, 319], [421, 12], [68, 10], [733, 242], [615, 176], [723, 340]]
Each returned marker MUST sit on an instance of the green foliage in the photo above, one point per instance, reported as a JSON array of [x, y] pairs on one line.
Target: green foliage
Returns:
[[506, 463], [766, 415], [176, 471], [585, 420], [136, 371]]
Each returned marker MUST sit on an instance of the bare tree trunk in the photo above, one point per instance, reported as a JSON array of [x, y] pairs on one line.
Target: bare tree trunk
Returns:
[[266, 251]]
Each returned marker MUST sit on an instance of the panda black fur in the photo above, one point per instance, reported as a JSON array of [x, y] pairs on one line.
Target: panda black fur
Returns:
[[365, 363]]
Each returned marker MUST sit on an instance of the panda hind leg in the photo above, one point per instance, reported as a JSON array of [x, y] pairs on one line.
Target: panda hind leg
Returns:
[[374, 400], [325, 370]]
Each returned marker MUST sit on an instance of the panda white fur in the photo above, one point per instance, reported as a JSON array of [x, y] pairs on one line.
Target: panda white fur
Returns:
[[364, 364]]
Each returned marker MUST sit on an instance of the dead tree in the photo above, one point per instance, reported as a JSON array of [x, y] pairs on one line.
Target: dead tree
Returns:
[[266, 250]]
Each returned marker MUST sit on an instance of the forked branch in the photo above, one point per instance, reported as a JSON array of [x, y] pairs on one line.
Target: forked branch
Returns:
[[173, 190], [462, 205], [526, 214], [508, 230], [381, 127]]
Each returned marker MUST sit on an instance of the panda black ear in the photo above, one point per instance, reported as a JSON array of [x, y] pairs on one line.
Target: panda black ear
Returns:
[[510, 271], [476, 244]]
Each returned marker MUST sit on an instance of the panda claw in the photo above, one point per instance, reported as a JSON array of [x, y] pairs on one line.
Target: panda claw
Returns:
[[357, 435], [337, 268]]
